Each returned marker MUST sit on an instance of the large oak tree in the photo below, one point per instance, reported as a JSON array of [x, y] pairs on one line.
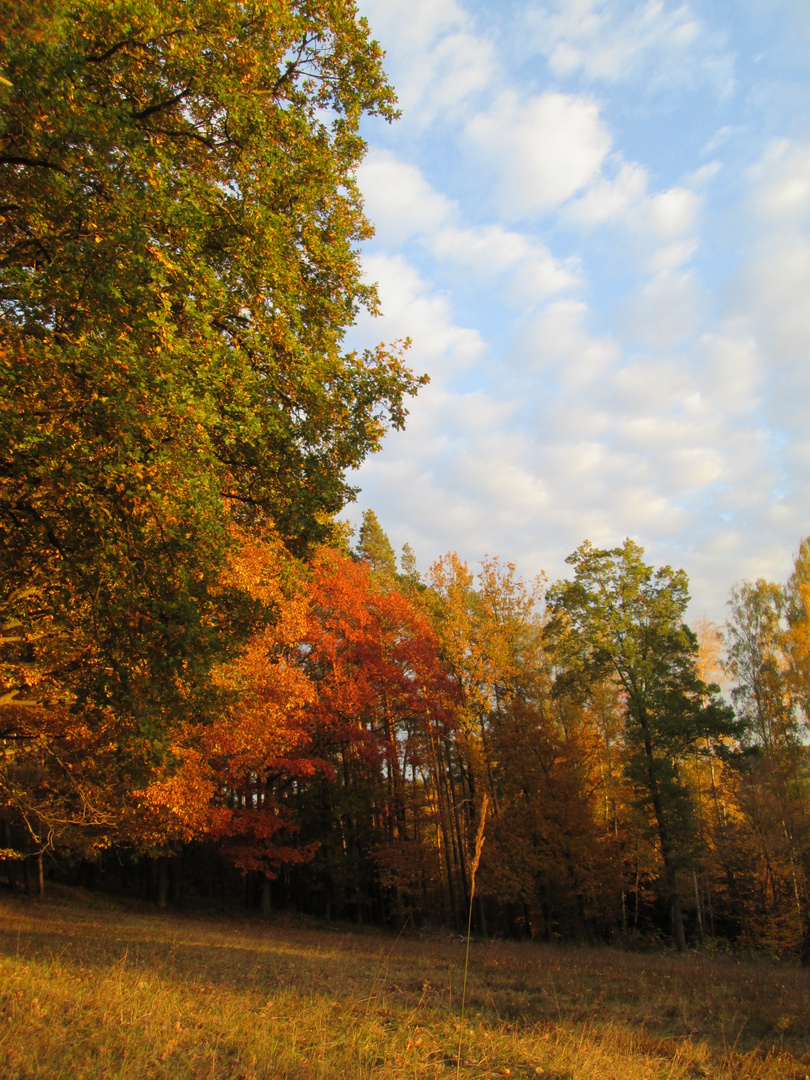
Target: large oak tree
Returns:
[[179, 222]]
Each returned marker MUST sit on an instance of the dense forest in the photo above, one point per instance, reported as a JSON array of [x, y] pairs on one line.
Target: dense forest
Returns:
[[211, 692]]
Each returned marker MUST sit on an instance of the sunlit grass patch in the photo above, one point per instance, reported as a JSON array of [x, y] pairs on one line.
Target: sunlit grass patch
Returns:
[[109, 994]]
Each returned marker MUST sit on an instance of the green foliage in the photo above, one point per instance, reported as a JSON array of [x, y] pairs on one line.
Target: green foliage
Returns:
[[798, 636], [375, 548], [409, 565], [756, 642], [622, 620], [179, 223]]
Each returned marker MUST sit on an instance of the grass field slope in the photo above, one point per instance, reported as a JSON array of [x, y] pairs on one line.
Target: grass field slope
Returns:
[[98, 992]]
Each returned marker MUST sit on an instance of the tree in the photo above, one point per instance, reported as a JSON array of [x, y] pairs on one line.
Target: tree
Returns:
[[766, 658], [798, 637], [385, 700], [374, 548], [178, 266], [756, 663], [489, 641], [229, 778], [410, 569], [620, 618]]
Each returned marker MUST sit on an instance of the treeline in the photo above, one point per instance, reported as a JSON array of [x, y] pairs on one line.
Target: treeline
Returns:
[[365, 720], [204, 692]]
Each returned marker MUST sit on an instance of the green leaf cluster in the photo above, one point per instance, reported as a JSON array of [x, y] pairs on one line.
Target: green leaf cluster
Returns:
[[179, 222]]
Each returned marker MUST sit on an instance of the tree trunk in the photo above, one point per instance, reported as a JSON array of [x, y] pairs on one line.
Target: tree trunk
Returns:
[[176, 879], [162, 882], [481, 916], [677, 910], [701, 936], [670, 870], [529, 933], [804, 946], [439, 783], [5, 842]]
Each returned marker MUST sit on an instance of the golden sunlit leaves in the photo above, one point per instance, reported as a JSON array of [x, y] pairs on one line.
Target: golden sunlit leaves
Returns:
[[178, 249]]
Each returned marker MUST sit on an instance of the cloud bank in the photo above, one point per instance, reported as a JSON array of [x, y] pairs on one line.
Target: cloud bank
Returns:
[[617, 333]]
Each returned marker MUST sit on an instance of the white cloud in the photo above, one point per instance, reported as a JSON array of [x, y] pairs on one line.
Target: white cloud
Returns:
[[463, 476], [650, 393], [575, 441], [609, 198], [722, 136], [613, 41], [544, 149], [558, 340], [459, 66], [488, 249], [402, 204], [769, 293], [666, 310], [410, 310], [732, 371], [706, 173], [398, 199], [660, 221], [781, 183], [435, 57], [673, 212], [635, 392], [671, 257], [772, 291], [414, 23], [492, 250], [660, 227]]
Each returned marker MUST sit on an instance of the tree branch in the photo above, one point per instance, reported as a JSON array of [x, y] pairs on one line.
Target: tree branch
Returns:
[[39, 163], [159, 106]]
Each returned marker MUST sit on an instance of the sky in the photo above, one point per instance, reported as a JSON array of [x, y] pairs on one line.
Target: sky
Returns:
[[593, 223]]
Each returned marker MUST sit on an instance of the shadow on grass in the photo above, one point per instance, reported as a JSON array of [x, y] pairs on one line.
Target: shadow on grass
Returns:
[[740, 1004]]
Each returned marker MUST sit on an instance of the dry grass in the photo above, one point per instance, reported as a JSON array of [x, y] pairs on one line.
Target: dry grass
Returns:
[[105, 993]]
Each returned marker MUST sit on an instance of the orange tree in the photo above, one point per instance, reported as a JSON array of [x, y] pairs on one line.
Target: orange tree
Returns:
[[230, 779], [179, 223], [383, 701]]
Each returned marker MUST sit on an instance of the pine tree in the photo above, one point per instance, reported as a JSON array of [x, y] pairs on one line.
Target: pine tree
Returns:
[[375, 548]]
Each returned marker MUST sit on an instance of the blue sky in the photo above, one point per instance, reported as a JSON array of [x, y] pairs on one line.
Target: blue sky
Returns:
[[593, 221]]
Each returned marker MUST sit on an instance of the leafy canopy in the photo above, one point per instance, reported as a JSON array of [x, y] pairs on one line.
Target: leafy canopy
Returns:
[[622, 621], [179, 222]]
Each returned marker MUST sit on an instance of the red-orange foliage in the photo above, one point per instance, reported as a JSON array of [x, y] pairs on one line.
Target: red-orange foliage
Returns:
[[340, 666], [230, 777], [374, 655]]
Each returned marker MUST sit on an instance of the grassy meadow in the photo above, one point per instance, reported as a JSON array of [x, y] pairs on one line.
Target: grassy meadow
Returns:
[[92, 990]]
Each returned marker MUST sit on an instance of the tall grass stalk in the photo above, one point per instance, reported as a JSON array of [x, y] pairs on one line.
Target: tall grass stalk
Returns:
[[479, 845]]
